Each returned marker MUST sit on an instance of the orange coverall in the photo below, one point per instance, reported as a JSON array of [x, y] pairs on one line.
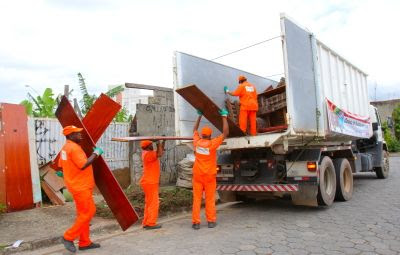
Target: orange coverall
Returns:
[[80, 183], [248, 106], [150, 183], [204, 176]]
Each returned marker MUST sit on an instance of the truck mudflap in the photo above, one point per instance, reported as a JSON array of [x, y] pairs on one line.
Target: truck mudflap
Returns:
[[259, 187]]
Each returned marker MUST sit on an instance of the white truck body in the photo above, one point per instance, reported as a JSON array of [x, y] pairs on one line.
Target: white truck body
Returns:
[[313, 74]]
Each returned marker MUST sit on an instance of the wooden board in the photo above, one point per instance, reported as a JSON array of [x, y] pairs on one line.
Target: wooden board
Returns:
[[56, 197], [210, 110], [55, 182], [3, 196], [151, 138], [105, 180], [16, 159], [108, 109]]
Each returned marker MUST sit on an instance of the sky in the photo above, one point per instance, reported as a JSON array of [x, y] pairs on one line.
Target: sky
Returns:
[[45, 43]]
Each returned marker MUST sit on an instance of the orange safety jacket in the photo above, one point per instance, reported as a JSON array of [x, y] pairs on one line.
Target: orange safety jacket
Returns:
[[72, 159], [206, 154], [247, 94], [151, 168]]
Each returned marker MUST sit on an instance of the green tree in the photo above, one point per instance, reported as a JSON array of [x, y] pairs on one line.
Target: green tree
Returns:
[[391, 141], [89, 99], [396, 121], [41, 106]]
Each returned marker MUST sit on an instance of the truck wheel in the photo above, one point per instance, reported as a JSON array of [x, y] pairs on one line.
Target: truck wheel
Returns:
[[344, 179], [327, 182], [383, 171]]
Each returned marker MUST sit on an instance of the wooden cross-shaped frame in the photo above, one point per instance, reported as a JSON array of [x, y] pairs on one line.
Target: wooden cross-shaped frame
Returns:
[[94, 124]]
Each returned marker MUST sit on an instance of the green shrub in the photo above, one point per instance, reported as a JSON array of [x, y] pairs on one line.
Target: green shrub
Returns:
[[391, 141]]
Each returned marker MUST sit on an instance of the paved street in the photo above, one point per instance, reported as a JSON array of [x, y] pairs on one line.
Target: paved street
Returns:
[[368, 224]]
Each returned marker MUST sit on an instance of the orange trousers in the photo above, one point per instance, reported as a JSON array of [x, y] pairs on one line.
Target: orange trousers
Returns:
[[151, 204], [85, 210], [252, 116], [208, 184]]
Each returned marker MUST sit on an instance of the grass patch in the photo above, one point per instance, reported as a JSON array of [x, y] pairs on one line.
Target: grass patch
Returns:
[[3, 208], [172, 199]]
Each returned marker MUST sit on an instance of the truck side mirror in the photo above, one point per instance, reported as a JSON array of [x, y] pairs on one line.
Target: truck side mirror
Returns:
[[375, 126]]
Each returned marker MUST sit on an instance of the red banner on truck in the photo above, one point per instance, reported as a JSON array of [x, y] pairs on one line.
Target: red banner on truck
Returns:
[[344, 122]]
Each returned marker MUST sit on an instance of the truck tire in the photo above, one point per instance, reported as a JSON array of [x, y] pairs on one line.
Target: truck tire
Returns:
[[327, 182], [383, 171], [344, 179]]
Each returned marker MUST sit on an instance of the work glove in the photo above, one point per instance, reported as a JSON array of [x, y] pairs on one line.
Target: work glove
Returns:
[[199, 112], [98, 151], [226, 90], [59, 174], [223, 112]]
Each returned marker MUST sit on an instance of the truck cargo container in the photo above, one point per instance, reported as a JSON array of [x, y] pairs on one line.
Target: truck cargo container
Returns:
[[316, 126]]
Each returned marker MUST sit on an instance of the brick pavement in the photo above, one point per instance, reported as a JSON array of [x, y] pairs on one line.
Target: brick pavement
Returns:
[[368, 224]]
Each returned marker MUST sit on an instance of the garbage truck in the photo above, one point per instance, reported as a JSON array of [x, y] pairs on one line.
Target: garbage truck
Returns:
[[316, 127]]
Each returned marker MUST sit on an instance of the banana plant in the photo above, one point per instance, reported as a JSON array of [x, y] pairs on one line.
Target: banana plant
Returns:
[[41, 106]]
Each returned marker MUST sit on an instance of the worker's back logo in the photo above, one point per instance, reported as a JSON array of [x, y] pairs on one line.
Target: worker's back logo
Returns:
[[63, 155], [202, 150], [249, 89]]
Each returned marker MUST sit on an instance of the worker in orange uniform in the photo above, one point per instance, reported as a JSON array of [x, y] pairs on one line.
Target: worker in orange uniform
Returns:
[[79, 180], [150, 182], [205, 170], [247, 94]]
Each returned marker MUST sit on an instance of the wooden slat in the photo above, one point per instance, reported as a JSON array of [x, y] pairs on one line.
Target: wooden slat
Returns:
[[105, 180], [56, 197], [18, 181], [152, 138], [55, 182], [149, 87], [202, 102]]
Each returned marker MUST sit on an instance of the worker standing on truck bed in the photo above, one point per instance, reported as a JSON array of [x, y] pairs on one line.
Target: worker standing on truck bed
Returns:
[[79, 179], [150, 182], [205, 170], [248, 104]]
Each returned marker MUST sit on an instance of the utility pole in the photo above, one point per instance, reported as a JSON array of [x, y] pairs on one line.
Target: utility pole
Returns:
[[376, 85]]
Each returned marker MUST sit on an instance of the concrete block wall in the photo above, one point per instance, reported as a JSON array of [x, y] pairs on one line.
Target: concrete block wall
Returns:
[[158, 118]]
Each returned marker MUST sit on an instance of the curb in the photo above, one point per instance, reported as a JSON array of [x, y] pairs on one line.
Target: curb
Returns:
[[54, 240]]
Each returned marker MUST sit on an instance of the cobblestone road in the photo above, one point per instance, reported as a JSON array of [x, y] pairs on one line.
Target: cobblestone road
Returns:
[[368, 224]]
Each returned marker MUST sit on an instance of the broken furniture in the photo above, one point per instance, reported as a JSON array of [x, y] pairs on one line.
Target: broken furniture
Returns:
[[15, 170], [272, 109], [94, 124], [52, 184]]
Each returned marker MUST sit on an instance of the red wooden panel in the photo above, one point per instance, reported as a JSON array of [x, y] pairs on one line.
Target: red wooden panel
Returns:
[[108, 108], [105, 180], [152, 138], [3, 198], [201, 101], [16, 157]]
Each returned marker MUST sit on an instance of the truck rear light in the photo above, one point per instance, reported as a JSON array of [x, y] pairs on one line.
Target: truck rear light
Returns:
[[311, 166]]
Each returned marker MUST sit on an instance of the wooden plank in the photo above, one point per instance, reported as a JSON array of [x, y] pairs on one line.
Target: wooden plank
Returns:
[[56, 197], [16, 158], [152, 138], [148, 87], [200, 101], [105, 180], [3, 197], [55, 182], [108, 108]]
